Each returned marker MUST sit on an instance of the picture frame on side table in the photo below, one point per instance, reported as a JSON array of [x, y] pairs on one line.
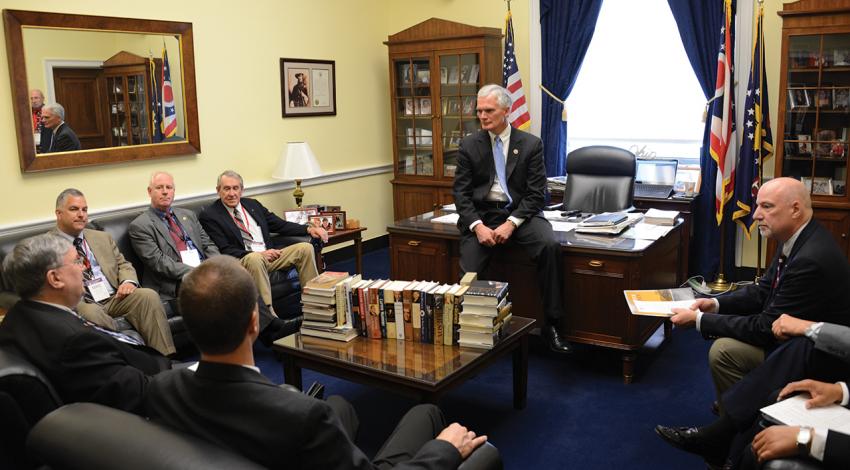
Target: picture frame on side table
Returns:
[[338, 218], [308, 87], [324, 221], [299, 216]]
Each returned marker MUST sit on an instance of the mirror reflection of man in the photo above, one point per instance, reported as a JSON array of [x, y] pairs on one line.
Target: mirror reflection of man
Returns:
[[63, 138], [38, 129]]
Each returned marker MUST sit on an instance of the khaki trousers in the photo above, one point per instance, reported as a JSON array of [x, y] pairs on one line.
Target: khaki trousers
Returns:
[[142, 309], [300, 255], [730, 360]]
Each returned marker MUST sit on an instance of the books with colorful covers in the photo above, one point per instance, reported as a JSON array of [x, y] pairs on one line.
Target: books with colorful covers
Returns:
[[425, 310], [451, 310], [324, 283], [343, 300], [485, 293], [437, 313], [658, 302], [375, 311], [360, 297], [407, 310], [392, 292]]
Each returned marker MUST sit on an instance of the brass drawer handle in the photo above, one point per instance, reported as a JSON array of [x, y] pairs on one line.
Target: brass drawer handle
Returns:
[[414, 243], [595, 263]]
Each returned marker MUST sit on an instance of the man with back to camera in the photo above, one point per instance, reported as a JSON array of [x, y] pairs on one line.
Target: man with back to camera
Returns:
[[111, 285], [499, 191], [809, 277], [241, 227], [82, 361], [228, 402], [62, 138], [171, 242]]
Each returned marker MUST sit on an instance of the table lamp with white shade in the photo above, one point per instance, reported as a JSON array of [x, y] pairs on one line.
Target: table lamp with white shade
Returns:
[[297, 163]]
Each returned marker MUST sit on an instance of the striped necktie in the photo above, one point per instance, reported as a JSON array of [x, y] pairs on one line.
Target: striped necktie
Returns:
[[88, 274], [247, 238]]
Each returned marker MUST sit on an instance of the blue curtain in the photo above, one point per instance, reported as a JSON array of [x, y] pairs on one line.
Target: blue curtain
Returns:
[[699, 23], [566, 28]]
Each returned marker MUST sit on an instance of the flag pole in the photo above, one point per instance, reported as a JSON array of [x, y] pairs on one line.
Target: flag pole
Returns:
[[721, 284]]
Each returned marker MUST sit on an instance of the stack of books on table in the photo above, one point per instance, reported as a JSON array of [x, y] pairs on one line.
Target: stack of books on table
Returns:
[[484, 313], [609, 223], [659, 217], [326, 308]]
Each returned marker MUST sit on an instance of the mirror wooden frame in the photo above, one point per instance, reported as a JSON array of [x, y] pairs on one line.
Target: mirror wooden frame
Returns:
[[15, 20]]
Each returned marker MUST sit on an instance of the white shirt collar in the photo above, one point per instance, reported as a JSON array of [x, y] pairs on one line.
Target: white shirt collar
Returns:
[[789, 245], [505, 135]]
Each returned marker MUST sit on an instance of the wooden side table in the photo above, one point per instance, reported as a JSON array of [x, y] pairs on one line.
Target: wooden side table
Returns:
[[355, 235]]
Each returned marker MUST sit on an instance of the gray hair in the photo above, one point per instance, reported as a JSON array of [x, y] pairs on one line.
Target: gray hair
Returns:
[[25, 267], [230, 174], [503, 97], [157, 173], [65, 194], [56, 108]]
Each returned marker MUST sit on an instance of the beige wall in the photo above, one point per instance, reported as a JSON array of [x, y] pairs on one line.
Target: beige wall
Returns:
[[237, 50]]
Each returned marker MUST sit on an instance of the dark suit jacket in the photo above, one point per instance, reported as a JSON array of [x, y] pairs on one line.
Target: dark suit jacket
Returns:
[[814, 285], [476, 171], [219, 224], [151, 241], [64, 140], [239, 409], [82, 363], [837, 452]]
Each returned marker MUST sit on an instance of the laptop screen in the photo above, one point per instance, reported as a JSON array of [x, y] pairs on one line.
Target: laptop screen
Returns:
[[656, 171]]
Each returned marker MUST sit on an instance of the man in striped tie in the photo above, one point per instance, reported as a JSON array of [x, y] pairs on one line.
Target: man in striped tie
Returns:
[[82, 361]]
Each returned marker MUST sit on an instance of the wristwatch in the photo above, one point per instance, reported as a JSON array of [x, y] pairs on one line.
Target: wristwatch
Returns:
[[804, 441]]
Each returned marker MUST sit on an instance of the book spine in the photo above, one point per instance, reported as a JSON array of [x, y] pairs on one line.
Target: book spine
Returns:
[[363, 301], [407, 311], [416, 315], [382, 314], [448, 306], [437, 317], [423, 322], [428, 326], [389, 309], [354, 303], [374, 315], [399, 315], [339, 297], [456, 309]]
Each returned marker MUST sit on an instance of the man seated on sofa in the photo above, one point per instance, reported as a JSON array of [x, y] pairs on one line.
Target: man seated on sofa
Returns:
[[84, 362], [111, 285], [229, 403], [171, 242], [241, 227]]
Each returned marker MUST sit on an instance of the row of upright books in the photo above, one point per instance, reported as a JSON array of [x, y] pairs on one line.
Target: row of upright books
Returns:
[[341, 307]]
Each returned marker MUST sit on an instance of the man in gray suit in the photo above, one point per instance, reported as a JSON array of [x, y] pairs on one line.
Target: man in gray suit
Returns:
[[171, 242]]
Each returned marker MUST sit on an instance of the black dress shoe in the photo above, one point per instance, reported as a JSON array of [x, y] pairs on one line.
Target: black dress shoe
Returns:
[[715, 408], [691, 440], [279, 328], [554, 341]]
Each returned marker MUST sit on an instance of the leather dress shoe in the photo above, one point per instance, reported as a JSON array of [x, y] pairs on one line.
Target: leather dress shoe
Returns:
[[279, 328], [691, 440], [715, 408], [554, 341]]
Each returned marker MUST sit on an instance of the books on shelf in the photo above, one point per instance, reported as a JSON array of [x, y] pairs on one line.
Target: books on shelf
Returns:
[[658, 302]]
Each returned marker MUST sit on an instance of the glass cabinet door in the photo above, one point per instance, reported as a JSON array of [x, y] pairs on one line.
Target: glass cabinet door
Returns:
[[115, 88], [459, 83], [138, 103], [817, 116], [414, 116]]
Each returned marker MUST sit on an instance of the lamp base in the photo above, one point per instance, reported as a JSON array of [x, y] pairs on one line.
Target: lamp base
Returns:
[[298, 193]]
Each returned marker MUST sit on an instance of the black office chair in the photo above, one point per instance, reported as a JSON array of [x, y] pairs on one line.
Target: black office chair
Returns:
[[599, 179]]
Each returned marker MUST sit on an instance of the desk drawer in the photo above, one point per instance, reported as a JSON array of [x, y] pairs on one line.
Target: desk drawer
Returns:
[[594, 298], [420, 258]]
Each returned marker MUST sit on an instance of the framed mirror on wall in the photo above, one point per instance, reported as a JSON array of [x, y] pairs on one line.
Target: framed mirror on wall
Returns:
[[127, 87]]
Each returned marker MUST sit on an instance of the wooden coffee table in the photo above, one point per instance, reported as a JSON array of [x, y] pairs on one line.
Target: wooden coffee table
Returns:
[[422, 371]]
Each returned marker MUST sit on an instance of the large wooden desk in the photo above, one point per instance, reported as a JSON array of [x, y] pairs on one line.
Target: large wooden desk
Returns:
[[596, 271]]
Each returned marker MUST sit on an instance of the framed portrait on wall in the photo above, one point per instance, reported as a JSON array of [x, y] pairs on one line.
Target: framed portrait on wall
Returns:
[[308, 87]]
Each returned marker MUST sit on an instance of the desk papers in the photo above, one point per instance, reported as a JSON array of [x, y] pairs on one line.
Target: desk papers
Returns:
[[644, 231], [660, 302], [447, 219], [793, 412]]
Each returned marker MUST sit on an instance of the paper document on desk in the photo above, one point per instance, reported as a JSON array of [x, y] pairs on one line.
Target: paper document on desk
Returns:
[[643, 231], [562, 226], [447, 219], [793, 412], [449, 207], [659, 302]]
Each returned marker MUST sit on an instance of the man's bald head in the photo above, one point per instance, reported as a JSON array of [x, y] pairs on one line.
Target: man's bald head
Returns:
[[784, 205]]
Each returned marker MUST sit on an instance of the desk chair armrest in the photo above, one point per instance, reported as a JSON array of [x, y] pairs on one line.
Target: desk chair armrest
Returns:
[[486, 457], [117, 439]]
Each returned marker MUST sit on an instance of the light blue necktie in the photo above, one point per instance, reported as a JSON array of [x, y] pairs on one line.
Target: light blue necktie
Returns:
[[499, 158]]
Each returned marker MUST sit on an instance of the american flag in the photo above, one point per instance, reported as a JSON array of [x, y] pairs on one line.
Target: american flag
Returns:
[[169, 114], [758, 142], [724, 145], [519, 117]]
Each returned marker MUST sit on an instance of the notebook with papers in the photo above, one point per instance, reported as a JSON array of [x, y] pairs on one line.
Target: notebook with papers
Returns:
[[655, 178]]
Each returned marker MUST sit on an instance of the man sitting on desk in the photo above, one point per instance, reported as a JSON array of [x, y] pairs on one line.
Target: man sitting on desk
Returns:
[[62, 138], [229, 403], [809, 276], [241, 227], [499, 193]]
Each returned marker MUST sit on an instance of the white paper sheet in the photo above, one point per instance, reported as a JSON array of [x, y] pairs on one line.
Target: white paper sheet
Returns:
[[446, 219], [793, 412]]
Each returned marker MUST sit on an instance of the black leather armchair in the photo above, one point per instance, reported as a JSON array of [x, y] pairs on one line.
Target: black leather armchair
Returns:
[[116, 439], [599, 179]]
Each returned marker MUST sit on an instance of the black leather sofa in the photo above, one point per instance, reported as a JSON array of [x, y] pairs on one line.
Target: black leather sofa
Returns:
[[286, 289]]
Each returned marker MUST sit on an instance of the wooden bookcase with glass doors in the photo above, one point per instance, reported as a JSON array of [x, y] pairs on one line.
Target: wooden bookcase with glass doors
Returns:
[[814, 108], [436, 69]]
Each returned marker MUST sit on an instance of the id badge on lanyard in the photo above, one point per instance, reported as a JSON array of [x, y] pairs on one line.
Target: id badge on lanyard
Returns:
[[98, 287], [191, 257]]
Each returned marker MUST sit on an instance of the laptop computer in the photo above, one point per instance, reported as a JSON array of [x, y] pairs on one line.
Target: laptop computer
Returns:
[[655, 178]]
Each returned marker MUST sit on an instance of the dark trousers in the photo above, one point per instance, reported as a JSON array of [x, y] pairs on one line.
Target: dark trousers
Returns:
[[536, 237], [418, 426]]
